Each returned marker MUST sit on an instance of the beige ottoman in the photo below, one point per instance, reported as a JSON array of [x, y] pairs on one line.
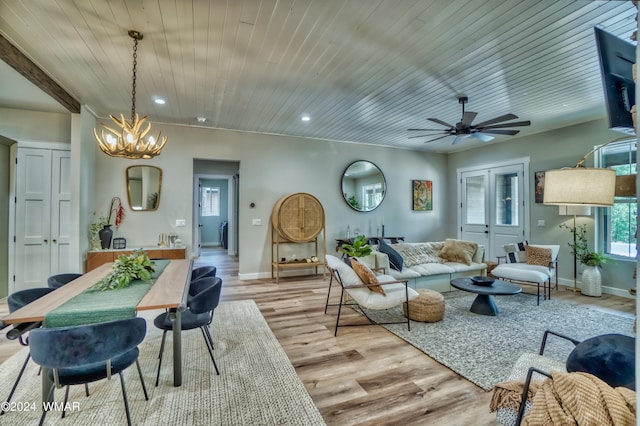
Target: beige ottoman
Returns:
[[427, 307]]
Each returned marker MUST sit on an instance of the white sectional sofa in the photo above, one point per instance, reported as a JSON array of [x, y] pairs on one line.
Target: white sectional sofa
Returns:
[[429, 264]]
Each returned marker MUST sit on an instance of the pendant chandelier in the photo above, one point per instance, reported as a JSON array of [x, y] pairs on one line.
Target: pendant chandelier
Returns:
[[130, 139]]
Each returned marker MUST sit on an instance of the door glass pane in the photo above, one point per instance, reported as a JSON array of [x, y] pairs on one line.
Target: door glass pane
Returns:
[[475, 214], [507, 199]]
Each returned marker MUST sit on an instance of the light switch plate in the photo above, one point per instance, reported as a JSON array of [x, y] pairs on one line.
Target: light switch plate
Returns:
[[256, 222], [541, 222], [181, 222]]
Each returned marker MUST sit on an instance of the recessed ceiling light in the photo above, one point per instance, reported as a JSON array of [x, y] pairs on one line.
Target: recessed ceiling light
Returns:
[[305, 117], [159, 101]]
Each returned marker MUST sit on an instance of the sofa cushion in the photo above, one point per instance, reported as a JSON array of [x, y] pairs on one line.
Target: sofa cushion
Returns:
[[522, 272], [458, 250], [419, 253], [371, 300], [538, 255], [395, 260], [432, 269], [461, 267], [366, 275]]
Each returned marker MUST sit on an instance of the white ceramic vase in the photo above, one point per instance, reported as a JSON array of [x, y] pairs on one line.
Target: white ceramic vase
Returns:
[[591, 281]]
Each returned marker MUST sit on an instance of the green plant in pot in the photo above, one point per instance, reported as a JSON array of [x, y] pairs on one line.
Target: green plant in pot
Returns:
[[591, 260], [359, 247]]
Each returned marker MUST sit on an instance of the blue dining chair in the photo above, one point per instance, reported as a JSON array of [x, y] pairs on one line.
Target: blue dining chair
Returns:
[[59, 280], [16, 301], [99, 351], [203, 272], [199, 314]]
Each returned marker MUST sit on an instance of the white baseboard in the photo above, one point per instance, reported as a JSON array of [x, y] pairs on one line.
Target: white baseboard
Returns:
[[614, 291]]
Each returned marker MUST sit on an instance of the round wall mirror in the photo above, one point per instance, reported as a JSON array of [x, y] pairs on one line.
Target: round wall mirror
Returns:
[[363, 186], [143, 187]]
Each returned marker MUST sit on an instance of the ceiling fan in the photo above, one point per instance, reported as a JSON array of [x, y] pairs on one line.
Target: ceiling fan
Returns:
[[464, 129]]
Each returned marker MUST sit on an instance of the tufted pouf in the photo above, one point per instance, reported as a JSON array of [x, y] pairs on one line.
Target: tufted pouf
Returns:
[[427, 307]]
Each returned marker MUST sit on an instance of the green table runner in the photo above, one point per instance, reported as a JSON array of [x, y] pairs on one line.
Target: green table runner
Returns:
[[91, 306]]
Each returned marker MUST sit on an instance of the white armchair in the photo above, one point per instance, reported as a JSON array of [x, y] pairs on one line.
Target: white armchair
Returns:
[[532, 264], [366, 295]]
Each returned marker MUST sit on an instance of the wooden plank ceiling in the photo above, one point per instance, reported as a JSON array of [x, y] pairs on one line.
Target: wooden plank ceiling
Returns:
[[365, 71]]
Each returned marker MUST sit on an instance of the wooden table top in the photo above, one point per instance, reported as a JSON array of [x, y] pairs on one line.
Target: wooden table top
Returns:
[[166, 292]]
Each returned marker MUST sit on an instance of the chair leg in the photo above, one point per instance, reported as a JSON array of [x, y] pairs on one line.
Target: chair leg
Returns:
[[144, 388], [86, 389], [124, 397], [326, 305], [164, 335], [66, 398], [205, 332], [15, 384], [44, 411], [335, 334]]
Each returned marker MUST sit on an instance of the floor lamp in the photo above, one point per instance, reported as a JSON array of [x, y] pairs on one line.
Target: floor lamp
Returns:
[[574, 211]]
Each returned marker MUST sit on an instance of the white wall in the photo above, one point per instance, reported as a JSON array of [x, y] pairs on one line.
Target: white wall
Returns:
[[271, 167], [4, 215]]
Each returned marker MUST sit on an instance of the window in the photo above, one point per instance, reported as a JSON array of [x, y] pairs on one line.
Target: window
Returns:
[[619, 222], [372, 196], [209, 201]]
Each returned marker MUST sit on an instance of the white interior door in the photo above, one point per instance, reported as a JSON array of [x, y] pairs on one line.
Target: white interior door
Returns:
[[60, 213], [492, 207], [33, 219]]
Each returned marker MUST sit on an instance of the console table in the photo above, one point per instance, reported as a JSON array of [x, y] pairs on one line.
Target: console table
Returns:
[[370, 240], [100, 257]]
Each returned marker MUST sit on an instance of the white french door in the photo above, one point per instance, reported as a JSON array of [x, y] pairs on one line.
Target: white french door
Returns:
[[492, 206]]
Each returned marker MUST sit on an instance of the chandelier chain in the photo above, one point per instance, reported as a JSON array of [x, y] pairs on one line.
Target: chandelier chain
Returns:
[[133, 84]]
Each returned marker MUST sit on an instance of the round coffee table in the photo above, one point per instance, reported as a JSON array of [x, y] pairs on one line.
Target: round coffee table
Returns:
[[484, 303]]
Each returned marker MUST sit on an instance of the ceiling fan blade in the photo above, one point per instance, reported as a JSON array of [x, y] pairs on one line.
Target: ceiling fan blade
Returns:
[[457, 140], [501, 132], [497, 120], [435, 120], [468, 117], [498, 126], [433, 140], [482, 137], [428, 130]]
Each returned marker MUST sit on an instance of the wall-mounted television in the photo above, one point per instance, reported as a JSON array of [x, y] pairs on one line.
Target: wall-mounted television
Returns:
[[617, 57]]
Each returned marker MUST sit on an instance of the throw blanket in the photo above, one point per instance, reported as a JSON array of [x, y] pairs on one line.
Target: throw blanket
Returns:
[[571, 399]]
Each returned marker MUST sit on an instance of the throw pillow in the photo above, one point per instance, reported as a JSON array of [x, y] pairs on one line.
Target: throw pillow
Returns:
[[366, 275], [538, 255], [516, 252], [418, 253], [395, 260], [458, 251]]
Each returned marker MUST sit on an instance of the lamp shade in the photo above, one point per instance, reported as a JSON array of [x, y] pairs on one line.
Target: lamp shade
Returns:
[[580, 186]]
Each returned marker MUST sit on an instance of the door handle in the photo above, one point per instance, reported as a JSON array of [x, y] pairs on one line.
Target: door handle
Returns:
[[46, 241], [54, 241], [486, 232]]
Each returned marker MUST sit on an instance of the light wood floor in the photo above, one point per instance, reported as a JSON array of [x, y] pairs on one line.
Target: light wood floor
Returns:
[[365, 376]]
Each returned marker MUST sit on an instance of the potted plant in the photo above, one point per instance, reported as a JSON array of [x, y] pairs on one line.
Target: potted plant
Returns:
[[359, 248], [591, 260]]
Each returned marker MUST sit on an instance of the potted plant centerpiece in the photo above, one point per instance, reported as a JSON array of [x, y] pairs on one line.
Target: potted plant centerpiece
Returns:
[[591, 261], [358, 248]]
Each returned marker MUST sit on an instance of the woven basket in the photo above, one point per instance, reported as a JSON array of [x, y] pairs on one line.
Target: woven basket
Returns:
[[427, 307]]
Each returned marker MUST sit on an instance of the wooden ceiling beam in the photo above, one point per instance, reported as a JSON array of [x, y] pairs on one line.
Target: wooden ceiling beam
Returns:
[[18, 61]]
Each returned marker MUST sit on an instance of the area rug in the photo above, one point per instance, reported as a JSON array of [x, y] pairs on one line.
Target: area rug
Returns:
[[257, 383], [483, 349]]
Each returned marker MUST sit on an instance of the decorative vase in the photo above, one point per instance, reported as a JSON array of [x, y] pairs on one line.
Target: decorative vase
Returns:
[[105, 236], [591, 281]]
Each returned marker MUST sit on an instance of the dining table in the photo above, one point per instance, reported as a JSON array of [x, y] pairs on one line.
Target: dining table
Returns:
[[169, 292]]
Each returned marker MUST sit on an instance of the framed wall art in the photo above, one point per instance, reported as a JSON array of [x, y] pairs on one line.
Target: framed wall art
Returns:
[[539, 188], [422, 195]]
